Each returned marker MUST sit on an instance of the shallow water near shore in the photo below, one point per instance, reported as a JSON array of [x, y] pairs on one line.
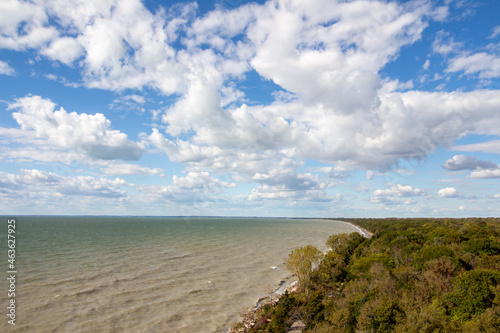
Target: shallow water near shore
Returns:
[[149, 274]]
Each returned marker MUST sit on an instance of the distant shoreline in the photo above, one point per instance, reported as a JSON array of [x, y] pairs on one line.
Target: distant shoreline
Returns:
[[363, 231]]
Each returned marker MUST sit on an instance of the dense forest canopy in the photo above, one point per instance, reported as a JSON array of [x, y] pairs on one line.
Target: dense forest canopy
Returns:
[[412, 275]]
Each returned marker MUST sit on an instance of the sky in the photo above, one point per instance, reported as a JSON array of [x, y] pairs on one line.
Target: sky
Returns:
[[293, 108]]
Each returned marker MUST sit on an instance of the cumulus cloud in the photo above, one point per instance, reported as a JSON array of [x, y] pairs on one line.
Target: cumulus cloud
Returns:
[[121, 43], [36, 181], [24, 25], [302, 187], [199, 180], [462, 162], [195, 188], [481, 169], [17, 145], [333, 64], [65, 50], [325, 54], [324, 57], [394, 194], [340, 113], [281, 192], [90, 135], [481, 174], [448, 192]]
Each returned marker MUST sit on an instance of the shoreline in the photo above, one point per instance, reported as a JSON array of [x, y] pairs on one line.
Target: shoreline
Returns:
[[362, 231], [250, 318], [288, 284]]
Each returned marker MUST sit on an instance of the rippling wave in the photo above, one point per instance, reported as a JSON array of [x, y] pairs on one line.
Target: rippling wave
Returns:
[[138, 274]]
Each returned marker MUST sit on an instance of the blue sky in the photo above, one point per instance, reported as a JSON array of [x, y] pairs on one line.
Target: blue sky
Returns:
[[272, 108]]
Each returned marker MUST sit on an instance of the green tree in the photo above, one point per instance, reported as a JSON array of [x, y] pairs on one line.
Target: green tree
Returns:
[[301, 262], [338, 243], [473, 292]]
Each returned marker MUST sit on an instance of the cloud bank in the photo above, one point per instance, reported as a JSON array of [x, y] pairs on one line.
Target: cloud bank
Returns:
[[331, 100]]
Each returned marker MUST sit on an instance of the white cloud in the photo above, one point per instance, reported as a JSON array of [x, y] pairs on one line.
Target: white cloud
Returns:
[[115, 168], [128, 103], [282, 192], [406, 125], [196, 188], [426, 64], [444, 44], [65, 50], [448, 192], [20, 146], [481, 174], [392, 195], [325, 55], [136, 98], [495, 32], [331, 64], [90, 186], [123, 45], [5, 69], [199, 180], [485, 64], [36, 181], [90, 135], [462, 162], [339, 114], [399, 191], [492, 146], [23, 25], [443, 117]]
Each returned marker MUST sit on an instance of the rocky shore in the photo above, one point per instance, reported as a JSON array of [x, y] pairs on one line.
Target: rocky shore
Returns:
[[251, 318]]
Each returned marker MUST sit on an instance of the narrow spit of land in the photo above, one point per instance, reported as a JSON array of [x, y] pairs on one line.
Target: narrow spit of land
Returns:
[[405, 275]]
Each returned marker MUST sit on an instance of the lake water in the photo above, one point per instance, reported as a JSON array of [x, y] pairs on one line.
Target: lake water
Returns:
[[148, 274]]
